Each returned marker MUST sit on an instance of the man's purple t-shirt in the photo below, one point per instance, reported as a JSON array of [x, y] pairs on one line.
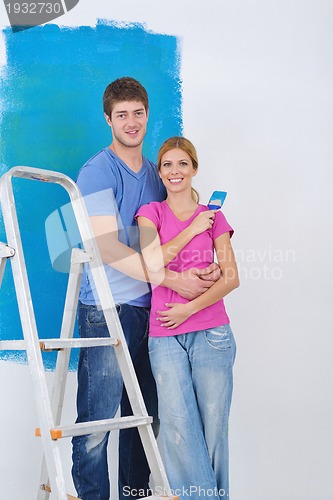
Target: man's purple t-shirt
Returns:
[[199, 253]]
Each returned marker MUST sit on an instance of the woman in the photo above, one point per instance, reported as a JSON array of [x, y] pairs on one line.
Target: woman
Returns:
[[191, 345]]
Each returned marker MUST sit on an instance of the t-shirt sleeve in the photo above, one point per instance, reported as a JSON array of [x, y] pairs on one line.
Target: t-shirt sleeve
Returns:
[[221, 226], [97, 187], [151, 212]]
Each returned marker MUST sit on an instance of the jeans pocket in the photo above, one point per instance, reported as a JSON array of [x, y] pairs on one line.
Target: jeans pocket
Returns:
[[153, 343], [219, 338], [95, 315]]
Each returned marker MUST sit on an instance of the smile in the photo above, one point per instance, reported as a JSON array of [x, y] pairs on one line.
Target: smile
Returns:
[[175, 181]]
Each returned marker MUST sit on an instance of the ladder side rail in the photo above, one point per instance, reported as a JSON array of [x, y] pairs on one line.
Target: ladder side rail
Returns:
[[67, 331], [61, 370], [3, 261], [30, 334], [154, 459]]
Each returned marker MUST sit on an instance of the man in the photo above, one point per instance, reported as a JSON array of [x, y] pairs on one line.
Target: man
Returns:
[[115, 183]]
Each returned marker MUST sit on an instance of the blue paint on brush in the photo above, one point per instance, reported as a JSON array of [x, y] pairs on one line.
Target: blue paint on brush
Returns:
[[216, 200], [52, 118]]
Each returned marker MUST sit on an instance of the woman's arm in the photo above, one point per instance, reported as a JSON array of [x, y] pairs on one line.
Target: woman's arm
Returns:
[[229, 280], [157, 256]]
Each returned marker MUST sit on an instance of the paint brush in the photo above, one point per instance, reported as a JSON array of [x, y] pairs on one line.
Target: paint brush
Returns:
[[216, 200]]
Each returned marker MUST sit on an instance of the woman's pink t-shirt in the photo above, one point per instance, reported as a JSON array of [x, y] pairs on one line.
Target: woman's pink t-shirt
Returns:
[[199, 253]]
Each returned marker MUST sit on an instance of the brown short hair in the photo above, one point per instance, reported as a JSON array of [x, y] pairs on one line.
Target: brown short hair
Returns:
[[124, 89]]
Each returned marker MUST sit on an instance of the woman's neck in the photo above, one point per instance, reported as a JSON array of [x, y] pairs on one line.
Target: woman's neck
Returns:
[[181, 204]]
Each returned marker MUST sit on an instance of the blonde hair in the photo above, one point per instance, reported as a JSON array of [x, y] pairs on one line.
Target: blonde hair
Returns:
[[185, 145]]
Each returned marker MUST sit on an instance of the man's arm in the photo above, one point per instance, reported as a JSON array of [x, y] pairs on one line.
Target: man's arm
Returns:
[[189, 284], [192, 283], [158, 255], [115, 253]]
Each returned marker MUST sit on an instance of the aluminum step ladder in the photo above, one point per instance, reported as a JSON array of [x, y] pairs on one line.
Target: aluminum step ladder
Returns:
[[49, 408]]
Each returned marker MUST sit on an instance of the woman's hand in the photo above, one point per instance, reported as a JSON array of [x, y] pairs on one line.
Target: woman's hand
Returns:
[[175, 315], [202, 222]]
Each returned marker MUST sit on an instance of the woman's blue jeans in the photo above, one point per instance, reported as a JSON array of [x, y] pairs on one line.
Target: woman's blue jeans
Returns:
[[100, 392], [193, 374]]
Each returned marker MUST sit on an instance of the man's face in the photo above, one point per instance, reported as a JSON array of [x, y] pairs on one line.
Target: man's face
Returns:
[[128, 123]]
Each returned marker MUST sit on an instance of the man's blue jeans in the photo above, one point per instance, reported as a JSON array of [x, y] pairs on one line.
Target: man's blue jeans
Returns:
[[100, 392], [193, 374]]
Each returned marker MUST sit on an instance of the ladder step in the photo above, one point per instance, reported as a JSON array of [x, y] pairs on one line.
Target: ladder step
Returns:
[[57, 344], [49, 344], [83, 428]]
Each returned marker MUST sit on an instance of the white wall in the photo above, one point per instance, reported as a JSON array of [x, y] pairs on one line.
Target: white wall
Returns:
[[257, 78]]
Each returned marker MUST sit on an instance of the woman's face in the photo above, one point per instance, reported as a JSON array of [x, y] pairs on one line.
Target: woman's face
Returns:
[[177, 170]]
